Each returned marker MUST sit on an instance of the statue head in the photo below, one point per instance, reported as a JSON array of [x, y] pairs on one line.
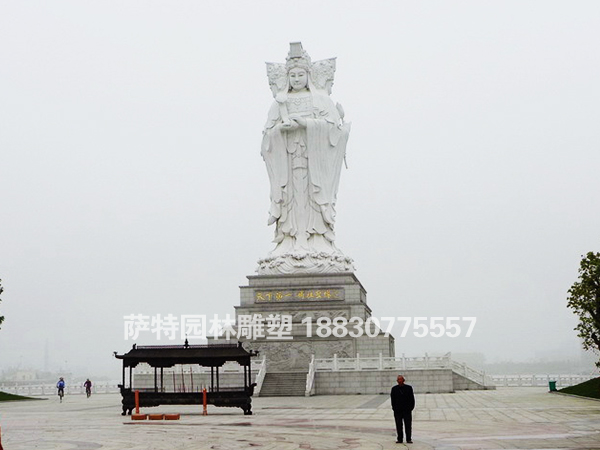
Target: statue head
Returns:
[[320, 74], [298, 67], [298, 78]]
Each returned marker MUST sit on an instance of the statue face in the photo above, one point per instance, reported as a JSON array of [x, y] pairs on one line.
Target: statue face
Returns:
[[298, 78]]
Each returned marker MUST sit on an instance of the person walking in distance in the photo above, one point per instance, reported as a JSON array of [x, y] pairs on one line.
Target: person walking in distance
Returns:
[[403, 402]]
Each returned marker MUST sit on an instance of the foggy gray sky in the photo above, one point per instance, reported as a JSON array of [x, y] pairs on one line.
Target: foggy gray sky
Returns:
[[132, 181]]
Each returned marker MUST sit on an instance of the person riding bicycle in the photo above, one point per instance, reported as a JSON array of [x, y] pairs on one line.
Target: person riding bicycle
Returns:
[[61, 387], [88, 387]]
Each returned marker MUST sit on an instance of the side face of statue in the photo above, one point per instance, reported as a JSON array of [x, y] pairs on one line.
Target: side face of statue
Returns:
[[304, 145]]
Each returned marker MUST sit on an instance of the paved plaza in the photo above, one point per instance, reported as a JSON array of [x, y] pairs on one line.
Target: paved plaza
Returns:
[[513, 418]]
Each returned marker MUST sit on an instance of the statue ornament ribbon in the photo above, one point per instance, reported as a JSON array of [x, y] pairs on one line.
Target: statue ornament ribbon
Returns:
[[304, 145]]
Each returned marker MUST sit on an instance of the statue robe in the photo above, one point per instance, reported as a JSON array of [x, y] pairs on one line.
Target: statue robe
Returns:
[[325, 138]]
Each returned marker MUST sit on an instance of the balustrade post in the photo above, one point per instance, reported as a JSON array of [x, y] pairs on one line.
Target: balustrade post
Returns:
[[380, 361], [426, 361], [403, 362], [357, 363], [335, 362]]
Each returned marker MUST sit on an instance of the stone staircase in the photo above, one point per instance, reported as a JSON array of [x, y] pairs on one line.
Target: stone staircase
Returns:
[[288, 384]]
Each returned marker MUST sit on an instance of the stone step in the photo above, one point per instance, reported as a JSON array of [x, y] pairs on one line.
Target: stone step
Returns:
[[286, 386], [285, 392], [284, 382], [281, 389], [280, 384], [291, 374], [287, 378], [279, 394]]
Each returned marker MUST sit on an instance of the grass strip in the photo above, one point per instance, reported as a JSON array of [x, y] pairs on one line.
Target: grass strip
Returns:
[[590, 388], [4, 397]]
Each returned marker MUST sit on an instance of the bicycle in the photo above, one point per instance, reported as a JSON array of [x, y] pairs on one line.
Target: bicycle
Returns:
[[88, 387], [61, 393]]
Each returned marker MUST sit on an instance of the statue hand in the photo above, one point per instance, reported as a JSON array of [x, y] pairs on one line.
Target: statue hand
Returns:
[[289, 125], [300, 121]]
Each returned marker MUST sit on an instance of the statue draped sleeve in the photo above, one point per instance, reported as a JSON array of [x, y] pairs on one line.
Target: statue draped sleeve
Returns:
[[326, 146], [274, 153]]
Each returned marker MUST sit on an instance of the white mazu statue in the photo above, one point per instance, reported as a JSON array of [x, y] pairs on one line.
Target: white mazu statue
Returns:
[[304, 145]]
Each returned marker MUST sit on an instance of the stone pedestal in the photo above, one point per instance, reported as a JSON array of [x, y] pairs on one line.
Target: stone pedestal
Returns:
[[307, 297]]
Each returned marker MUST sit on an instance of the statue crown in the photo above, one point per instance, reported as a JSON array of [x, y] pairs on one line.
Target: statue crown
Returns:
[[297, 57]]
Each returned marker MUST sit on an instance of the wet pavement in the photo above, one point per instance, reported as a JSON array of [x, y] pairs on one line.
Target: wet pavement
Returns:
[[508, 418]]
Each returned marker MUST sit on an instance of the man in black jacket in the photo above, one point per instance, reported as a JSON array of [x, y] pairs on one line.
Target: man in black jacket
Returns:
[[403, 402]]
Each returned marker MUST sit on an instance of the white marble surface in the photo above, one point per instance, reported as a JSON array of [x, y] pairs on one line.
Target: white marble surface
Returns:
[[304, 146]]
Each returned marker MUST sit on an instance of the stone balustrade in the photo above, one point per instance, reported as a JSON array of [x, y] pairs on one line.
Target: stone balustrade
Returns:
[[383, 363], [539, 380], [29, 390]]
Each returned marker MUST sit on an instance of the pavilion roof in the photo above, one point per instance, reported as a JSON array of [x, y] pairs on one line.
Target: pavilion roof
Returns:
[[168, 355]]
